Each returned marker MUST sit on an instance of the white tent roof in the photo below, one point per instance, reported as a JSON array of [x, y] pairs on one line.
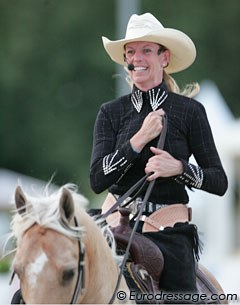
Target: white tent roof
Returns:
[[226, 129], [8, 182]]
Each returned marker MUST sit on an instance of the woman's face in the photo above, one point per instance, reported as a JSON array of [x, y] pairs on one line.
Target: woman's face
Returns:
[[148, 64]]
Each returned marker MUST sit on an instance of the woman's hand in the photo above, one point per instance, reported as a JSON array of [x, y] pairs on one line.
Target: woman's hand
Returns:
[[150, 129], [162, 164]]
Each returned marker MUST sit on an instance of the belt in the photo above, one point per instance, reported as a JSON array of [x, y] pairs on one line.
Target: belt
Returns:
[[166, 217], [135, 205], [161, 215]]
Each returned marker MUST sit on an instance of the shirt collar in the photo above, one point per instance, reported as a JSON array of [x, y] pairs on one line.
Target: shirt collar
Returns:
[[156, 96]]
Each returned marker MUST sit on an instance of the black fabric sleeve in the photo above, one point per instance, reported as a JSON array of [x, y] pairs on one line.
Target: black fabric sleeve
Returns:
[[208, 174], [108, 163]]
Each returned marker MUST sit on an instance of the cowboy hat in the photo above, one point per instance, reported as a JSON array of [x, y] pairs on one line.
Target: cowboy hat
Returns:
[[147, 28]]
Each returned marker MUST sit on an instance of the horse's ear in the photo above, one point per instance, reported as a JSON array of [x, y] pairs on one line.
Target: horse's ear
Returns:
[[20, 200], [66, 205]]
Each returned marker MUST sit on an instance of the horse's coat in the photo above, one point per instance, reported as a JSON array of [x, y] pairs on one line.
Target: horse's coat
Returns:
[[47, 230], [36, 267], [47, 255]]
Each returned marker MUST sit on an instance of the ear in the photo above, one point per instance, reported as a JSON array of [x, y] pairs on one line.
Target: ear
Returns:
[[66, 206], [20, 200], [167, 56]]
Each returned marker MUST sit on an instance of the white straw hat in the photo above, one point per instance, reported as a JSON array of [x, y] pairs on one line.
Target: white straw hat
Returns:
[[147, 28]]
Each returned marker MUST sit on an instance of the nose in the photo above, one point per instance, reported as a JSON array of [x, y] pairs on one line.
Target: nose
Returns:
[[138, 56]]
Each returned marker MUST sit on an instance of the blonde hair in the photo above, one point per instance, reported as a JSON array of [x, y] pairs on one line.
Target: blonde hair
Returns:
[[190, 90]]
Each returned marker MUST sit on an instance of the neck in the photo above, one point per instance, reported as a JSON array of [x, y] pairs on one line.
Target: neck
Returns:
[[103, 270], [148, 84], [146, 87]]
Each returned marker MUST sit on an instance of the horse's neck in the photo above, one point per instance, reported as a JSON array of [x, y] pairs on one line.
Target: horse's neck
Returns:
[[102, 268]]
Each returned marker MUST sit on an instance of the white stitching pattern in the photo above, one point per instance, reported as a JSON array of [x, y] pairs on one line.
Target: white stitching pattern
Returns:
[[137, 100], [195, 180], [156, 101], [109, 166]]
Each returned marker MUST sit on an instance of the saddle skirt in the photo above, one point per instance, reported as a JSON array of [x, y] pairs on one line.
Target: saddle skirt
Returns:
[[146, 258], [143, 271]]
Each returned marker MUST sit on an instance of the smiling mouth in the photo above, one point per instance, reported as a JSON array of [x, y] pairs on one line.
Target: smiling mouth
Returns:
[[140, 68]]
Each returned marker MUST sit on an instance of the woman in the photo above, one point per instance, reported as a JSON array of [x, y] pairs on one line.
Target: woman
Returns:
[[127, 131]]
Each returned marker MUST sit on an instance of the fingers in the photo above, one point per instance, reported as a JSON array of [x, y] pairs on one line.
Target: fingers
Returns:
[[156, 166], [150, 129], [155, 120], [152, 177], [156, 151], [163, 164], [160, 112], [150, 170]]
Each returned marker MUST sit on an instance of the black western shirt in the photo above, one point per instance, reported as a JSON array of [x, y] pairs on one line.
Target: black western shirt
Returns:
[[116, 166]]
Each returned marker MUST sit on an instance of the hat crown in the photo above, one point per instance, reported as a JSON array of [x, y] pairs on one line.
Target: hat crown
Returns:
[[147, 28], [140, 25]]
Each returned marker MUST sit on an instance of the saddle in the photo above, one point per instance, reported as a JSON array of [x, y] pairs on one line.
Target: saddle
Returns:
[[146, 259], [146, 263]]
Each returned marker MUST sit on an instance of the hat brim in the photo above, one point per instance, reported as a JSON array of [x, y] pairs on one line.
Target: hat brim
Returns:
[[181, 47]]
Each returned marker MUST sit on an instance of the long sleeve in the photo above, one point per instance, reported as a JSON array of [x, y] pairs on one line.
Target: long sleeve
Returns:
[[108, 163], [209, 174], [116, 167]]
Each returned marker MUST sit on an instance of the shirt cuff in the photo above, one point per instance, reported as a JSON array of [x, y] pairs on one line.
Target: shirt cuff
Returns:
[[192, 175]]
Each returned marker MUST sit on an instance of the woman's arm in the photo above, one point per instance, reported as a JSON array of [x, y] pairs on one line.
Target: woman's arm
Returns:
[[208, 174], [107, 163]]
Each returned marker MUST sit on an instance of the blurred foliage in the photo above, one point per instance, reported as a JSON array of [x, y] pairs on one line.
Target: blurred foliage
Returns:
[[5, 264], [54, 74], [213, 26]]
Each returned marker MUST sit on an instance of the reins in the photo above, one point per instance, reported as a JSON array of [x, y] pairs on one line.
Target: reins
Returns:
[[142, 181], [80, 283]]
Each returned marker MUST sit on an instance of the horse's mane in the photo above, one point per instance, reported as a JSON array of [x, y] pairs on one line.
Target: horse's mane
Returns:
[[43, 209]]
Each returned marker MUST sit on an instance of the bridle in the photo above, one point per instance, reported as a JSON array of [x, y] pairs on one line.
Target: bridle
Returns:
[[80, 283], [139, 185]]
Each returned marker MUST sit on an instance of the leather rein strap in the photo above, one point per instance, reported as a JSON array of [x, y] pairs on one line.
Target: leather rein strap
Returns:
[[160, 145], [141, 182], [80, 283]]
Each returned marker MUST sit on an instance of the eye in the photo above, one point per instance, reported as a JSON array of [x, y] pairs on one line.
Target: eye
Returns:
[[129, 52], [147, 50], [67, 275]]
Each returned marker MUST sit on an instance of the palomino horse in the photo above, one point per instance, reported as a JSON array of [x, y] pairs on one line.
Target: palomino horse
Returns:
[[62, 255], [60, 248]]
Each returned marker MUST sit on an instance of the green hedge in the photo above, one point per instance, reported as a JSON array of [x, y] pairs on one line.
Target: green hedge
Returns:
[[5, 265]]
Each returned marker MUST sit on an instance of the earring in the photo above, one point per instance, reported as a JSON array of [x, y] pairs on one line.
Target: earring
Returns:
[[166, 65]]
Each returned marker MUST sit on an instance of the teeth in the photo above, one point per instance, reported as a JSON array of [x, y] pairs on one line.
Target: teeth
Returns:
[[140, 68]]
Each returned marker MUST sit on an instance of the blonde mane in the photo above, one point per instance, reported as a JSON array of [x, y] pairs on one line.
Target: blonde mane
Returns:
[[44, 210]]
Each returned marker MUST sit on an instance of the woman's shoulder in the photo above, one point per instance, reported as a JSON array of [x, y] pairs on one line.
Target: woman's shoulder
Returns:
[[185, 102], [116, 103]]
